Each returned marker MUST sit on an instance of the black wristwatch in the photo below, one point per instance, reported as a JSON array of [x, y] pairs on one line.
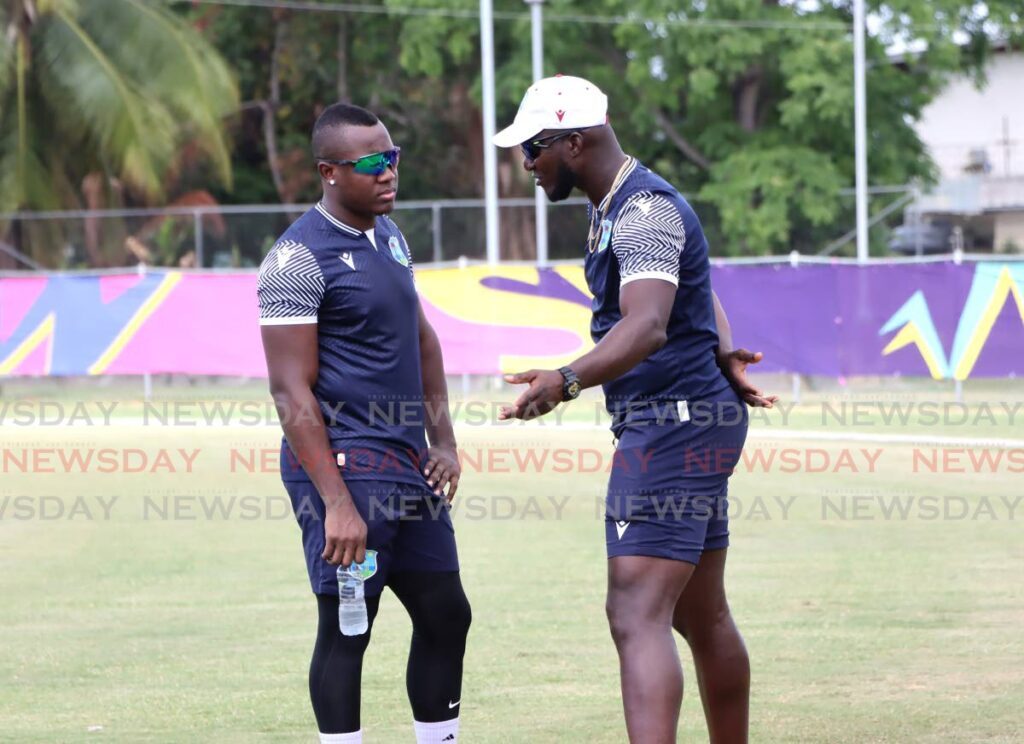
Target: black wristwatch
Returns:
[[571, 387]]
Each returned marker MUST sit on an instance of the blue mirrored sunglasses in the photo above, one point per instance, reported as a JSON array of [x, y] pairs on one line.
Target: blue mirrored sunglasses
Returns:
[[373, 164]]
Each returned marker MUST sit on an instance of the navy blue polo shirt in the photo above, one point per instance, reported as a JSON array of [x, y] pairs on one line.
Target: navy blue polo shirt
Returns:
[[362, 297], [647, 230]]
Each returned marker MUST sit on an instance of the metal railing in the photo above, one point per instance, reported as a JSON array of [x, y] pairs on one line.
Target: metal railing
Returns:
[[223, 236], [440, 232]]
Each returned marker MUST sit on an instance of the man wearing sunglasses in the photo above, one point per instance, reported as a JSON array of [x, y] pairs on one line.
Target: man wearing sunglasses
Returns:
[[357, 376], [674, 387]]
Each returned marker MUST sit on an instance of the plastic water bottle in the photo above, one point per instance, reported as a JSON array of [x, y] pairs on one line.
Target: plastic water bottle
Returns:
[[351, 602], [352, 619]]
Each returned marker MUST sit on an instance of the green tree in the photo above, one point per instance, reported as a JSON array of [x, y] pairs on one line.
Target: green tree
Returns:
[[746, 105], [125, 90], [291, 64], [763, 116], [751, 117]]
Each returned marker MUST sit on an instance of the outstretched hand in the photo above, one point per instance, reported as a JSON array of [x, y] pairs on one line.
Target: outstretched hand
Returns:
[[542, 395], [734, 366]]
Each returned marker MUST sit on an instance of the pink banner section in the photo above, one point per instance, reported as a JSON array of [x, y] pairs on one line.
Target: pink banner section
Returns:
[[941, 320]]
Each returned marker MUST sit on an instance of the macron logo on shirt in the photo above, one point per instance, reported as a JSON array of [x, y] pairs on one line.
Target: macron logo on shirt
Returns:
[[346, 258], [284, 252]]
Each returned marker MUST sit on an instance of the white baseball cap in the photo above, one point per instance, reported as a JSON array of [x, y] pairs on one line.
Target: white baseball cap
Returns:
[[559, 102]]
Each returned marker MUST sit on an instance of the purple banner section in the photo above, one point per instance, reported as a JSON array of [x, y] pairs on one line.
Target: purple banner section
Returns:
[[943, 320], [939, 319]]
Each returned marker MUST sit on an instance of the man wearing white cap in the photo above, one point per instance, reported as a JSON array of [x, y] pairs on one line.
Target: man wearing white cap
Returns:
[[674, 387]]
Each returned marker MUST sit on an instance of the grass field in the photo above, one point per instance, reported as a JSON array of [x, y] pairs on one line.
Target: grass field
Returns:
[[869, 614]]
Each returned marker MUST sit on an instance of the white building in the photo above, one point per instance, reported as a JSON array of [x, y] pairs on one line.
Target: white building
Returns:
[[976, 137]]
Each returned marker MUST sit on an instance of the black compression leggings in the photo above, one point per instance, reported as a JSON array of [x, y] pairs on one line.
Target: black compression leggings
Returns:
[[440, 617]]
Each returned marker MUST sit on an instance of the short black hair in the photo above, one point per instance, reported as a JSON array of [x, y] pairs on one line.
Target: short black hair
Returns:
[[336, 116]]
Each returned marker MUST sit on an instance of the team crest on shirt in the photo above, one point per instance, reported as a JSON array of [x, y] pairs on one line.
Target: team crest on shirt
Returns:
[[606, 235], [396, 251], [368, 567]]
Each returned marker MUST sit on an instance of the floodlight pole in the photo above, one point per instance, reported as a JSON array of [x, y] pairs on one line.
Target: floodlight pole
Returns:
[[490, 156], [540, 205], [860, 130]]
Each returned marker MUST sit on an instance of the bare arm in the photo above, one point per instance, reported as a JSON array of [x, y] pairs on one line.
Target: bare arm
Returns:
[[646, 305], [293, 365], [442, 466], [722, 324], [435, 388], [734, 362]]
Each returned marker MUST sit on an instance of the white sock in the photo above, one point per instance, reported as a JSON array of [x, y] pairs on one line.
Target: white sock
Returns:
[[442, 732], [354, 737]]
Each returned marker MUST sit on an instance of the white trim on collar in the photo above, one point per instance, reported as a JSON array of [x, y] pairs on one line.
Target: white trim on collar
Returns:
[[335, 221]]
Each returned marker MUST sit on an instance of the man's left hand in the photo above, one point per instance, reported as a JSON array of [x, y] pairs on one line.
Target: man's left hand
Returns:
[[443, 469], [544, 393], [734, 366]]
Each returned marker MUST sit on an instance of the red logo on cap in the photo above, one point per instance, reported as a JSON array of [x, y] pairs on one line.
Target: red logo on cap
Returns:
[[559, 114]]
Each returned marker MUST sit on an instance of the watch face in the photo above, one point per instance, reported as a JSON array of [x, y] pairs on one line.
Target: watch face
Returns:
[[574, 389]]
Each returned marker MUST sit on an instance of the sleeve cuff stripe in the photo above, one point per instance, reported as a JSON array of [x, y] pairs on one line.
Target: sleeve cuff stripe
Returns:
[[664, 276], [288, 321]]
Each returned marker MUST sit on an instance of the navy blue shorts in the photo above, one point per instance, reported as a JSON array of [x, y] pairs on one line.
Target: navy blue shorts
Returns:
[[668, 490], [408, 526]]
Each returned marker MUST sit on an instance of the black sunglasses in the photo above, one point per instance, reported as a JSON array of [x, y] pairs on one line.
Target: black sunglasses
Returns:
[[532, 148]]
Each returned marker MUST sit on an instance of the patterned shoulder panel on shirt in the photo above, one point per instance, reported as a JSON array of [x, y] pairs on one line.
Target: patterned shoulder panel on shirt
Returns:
[[648, 238], [290, 286]]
